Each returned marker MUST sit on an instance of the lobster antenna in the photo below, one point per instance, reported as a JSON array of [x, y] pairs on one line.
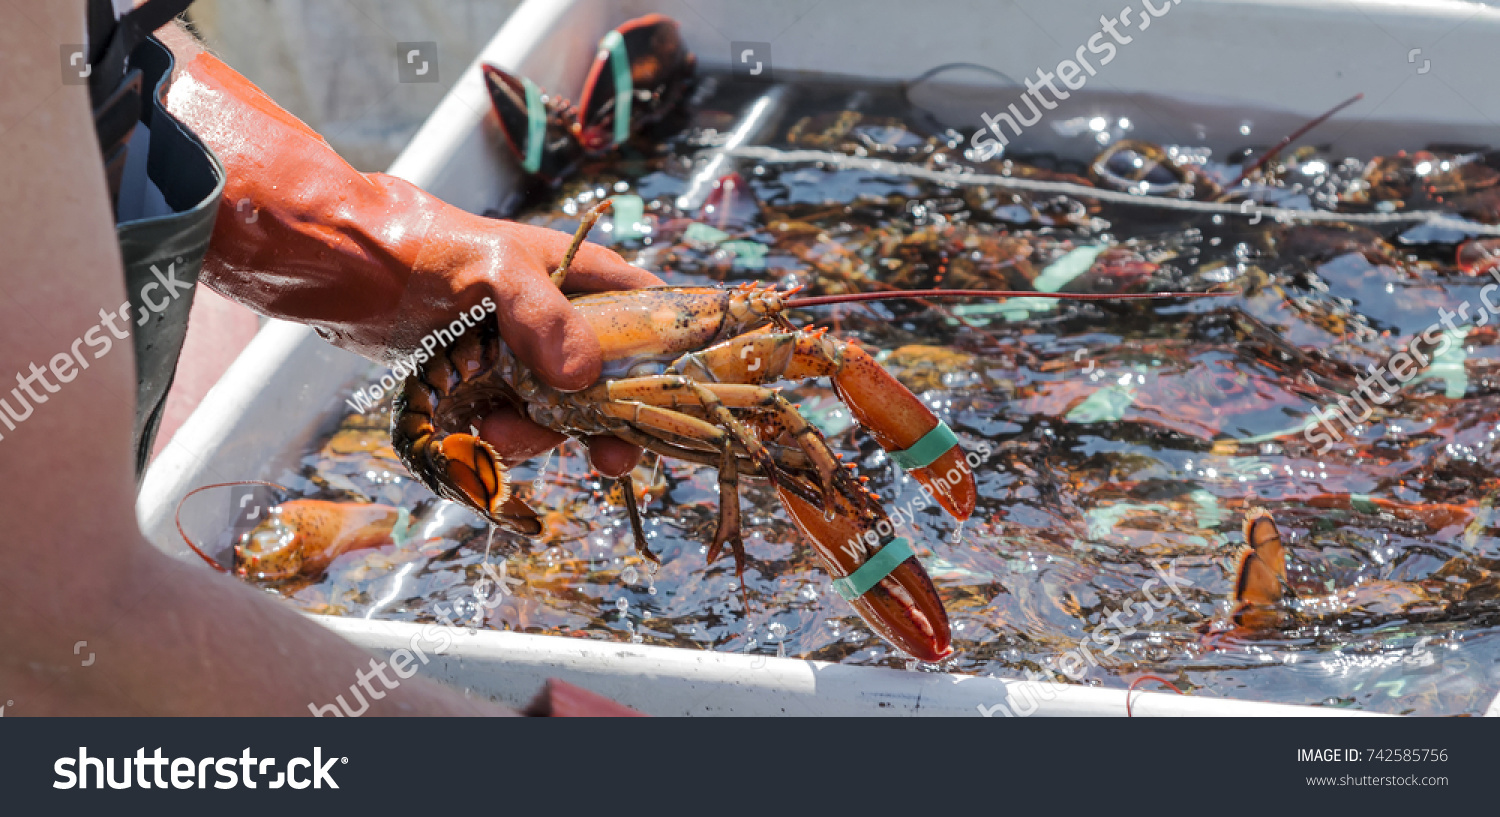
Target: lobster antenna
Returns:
[[177, 517], [582, 232], [1137, 682], [1292, 137], [995, 295]]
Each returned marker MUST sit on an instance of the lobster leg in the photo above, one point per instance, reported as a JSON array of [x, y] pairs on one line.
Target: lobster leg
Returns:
[[666, 421], [895, 417], [640, 401], [729, 515], [843, 520], [634, 512], [696, 455], [717, 399], [665, 394]]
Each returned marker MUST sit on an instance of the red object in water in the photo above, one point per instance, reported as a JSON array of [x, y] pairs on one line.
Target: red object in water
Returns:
[[559, 699]]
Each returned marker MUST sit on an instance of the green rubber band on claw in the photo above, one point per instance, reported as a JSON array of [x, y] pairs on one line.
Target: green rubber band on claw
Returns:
[[925, 451], [869, 574], [401, 531], [536, 126], [624, 83]]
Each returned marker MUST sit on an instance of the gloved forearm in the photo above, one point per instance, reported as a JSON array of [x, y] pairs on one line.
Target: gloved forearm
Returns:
[[301, 234], [375, 264], [372, 261]]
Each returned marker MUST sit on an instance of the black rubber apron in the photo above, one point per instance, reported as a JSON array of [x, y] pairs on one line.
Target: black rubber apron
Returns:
[[163, 254]]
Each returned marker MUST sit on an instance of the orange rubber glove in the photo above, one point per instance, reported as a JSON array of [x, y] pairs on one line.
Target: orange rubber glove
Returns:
[[373, 263]]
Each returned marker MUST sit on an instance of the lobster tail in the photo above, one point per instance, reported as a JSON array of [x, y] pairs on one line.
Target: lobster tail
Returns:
[[457, 466], [473, 469], [1260, 576]]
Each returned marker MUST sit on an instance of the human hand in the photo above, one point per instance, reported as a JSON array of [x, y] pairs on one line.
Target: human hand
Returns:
[[374, 263], [540, 326]]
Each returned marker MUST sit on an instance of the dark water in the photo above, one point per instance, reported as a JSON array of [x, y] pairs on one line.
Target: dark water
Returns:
[[1127, 438]]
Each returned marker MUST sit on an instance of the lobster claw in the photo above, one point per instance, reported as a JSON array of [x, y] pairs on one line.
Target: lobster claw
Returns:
[[641, 72], [902, 607], [896, 418], [905, 427], [540, 128]]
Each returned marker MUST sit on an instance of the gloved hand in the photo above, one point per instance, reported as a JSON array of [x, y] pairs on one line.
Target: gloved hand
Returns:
[[374, 264]]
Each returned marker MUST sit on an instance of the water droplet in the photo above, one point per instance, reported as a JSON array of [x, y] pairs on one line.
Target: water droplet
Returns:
[[622, 604], [629, 576]]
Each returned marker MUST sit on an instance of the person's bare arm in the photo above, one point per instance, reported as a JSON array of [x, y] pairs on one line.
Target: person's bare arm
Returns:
[[165, 637]]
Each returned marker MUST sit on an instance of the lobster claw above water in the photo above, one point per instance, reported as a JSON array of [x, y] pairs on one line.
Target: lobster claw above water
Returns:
[[904, 426], [898, 600], [540, 128], [640, 74]]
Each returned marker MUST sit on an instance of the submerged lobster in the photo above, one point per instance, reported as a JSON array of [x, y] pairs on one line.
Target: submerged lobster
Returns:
[[1268, 601], [303, 536], [684, 375]]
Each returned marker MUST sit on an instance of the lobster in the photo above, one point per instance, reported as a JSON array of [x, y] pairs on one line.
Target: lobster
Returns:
[[1260, 584], [685, 374], [301, 537], [1267, 602], [641, 74]]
